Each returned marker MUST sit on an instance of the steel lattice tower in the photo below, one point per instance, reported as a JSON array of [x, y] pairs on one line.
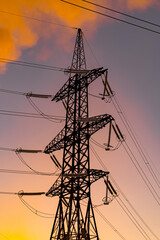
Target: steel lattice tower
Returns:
[[73, 220]]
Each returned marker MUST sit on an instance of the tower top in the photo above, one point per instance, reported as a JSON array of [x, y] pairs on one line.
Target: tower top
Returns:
[[78, 60]]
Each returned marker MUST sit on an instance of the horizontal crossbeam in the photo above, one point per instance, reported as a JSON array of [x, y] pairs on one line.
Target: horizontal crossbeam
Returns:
[[70, 84], [67, 181], [93, 126]]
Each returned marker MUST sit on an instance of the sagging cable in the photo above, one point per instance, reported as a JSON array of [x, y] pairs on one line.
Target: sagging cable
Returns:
[[32, 209]]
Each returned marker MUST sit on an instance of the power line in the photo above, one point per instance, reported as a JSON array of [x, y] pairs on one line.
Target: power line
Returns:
[[108, 16], [28, 172], [39, 111], [36, 19], [109, 223], [119, 189], [131, 133], [35, 211], [12, 92], [30, 115], [134, 139], [122, 13], [31, 64], [132, 218], [42, 114], [105, 168], [33, 170], [32, 209], [141, 173]]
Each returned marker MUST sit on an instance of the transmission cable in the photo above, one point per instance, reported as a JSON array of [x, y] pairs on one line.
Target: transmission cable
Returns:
[[42, 113], [105, 168], [28, 166], [132, 218], [105, 220], [28, 96], [31, 64], [126, 199], [109, 223], [108, 16], [134, 139], [32, 209], [122, 13], [12, 92], [12, 171], [141, 173], [30, 115], [36, 19], [35, 211]]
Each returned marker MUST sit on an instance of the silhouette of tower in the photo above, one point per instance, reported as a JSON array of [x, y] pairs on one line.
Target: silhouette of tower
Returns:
[[75, 220]]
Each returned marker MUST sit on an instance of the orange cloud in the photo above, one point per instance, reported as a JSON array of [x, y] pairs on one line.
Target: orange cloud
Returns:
[[18, 33]]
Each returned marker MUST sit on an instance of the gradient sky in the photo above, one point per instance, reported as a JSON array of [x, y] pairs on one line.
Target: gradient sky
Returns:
[[133, 58]]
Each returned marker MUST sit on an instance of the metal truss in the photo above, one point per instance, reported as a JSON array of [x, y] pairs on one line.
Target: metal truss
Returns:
[[74, 220]]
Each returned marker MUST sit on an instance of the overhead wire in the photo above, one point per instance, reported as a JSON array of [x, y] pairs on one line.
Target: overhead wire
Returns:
[[106, 220], [12, 171], [34, 210], [122, 13], [33, 171], [138, 167], [37, 19], [40, 112], [7, 149], [109, 223], [12, 92], [123, 195], [30, 115], [141, 173], [133, 209], [31, 64], [27, 95], [109, 16], [28, 166], [134, 139], [133, 219]]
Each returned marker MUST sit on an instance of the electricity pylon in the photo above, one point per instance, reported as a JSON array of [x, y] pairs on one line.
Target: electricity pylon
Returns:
[[75, 220]]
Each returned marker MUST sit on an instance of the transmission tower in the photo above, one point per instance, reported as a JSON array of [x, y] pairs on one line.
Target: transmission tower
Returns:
[[75, 220]]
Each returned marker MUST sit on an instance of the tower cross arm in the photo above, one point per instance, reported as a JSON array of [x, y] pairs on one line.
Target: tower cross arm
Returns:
[[96, 123], [69, 86], [57, 143], [93, 124], [94, 174]]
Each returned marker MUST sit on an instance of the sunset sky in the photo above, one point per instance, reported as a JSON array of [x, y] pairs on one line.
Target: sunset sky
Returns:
[[132, 56]]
